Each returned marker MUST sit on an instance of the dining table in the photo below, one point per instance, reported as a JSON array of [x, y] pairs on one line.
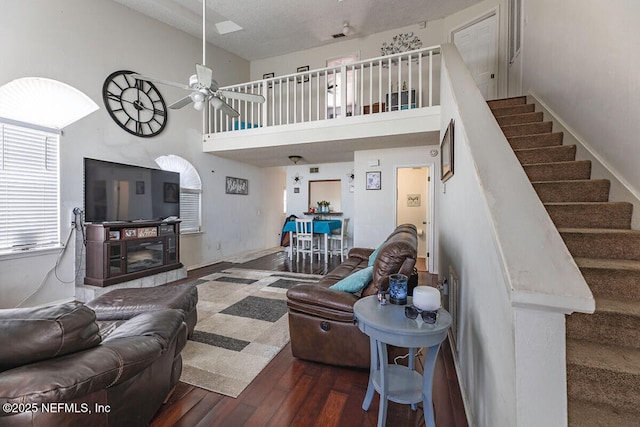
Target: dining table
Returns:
[[324, 227]]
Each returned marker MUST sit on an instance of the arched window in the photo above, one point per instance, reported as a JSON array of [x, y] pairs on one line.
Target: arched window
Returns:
[[33, 111], [190, 191]]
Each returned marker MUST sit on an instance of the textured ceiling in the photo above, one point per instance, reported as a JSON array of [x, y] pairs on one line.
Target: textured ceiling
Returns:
[[276, 27]]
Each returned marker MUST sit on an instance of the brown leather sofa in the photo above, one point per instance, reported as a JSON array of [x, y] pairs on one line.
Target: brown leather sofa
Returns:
[[57, 367], [321, 323]]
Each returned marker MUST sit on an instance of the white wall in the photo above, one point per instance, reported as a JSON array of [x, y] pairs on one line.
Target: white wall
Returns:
[[466, 244], [367, 47], [582, 61], [376, 209], [80, 43]]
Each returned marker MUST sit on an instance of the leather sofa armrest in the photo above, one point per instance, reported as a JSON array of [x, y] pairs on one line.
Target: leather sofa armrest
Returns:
[[362, 253], [32, 334], [76, 375], [320, 301], [163, 325]]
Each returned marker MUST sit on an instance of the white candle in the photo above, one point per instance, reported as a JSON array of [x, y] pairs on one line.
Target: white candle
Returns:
[[426, 298]]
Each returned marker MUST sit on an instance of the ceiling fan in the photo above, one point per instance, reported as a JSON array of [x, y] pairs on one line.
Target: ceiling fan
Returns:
[[202, 85]]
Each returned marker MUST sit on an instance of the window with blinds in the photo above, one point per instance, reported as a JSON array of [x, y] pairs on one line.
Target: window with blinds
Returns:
[[29, 188], [189, 210]]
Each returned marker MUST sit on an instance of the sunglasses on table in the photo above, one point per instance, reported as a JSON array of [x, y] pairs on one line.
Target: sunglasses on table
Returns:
[[427, 316]]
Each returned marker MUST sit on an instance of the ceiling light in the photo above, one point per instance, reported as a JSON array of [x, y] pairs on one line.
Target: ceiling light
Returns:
[[295, 159], [345, 28]]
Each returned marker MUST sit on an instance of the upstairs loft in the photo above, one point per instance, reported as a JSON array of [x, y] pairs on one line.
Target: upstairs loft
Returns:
[[325, 115]]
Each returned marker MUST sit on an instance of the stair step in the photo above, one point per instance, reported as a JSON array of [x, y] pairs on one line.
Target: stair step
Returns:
[[612, 278], [520, 119], [582, 190], [514, 109], [590, 214], [527, 129], [588, 414], [556, 153], [558, 171], [604, 375], [615, 322], [507, 102], [535, 141], [602, 243]]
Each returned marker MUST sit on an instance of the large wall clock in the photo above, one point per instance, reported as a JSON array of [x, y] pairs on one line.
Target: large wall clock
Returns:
[[135, 105]]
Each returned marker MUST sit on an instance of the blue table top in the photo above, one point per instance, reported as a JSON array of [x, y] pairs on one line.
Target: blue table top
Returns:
[[319, 226]]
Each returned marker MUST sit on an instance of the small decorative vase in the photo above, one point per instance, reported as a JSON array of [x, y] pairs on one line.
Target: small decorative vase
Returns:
[[398, 289]]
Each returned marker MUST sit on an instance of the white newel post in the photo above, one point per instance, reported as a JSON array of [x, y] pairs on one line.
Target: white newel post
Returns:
[[541, 374]]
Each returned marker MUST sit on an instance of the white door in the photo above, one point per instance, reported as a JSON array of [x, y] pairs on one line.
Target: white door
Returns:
[[477, 44]]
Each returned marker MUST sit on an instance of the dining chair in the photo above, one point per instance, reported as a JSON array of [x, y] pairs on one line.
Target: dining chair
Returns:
[[306, 241], [339, 236]]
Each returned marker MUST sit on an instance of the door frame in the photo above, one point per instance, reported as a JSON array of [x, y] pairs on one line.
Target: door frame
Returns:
[[489, 13], [430, 208]]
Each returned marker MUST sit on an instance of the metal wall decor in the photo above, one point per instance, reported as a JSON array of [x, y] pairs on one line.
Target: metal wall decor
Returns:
[[402, 42]]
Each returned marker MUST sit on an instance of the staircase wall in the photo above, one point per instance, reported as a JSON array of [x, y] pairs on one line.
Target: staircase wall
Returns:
[[620, 190], [508, 257]]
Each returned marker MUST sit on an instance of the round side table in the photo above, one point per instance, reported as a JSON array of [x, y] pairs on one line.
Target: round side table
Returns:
[[387, 324]]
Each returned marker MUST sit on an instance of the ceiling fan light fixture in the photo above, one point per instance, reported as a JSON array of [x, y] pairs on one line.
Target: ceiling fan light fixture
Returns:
[[216, 102], [295, 159], [197, 97]]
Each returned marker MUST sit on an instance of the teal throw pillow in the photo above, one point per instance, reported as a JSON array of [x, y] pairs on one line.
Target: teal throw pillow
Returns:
[[355, 282], [372, 257]]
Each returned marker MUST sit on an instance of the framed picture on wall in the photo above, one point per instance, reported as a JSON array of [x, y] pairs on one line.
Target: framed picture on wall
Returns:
[[237, 186], [446, 153], [413, 200], [269, 76], [374, 180], [302, 70]]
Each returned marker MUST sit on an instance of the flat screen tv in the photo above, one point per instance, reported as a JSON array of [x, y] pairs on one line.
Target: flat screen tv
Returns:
[[116, 192]]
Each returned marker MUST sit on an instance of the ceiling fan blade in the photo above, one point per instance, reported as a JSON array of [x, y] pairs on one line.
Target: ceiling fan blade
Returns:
[[183, 102], [164, 82], [219, 104], [205, 75], [242, 96]]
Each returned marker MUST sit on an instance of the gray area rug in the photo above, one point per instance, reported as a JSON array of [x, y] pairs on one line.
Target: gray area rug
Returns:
[[242, 325]]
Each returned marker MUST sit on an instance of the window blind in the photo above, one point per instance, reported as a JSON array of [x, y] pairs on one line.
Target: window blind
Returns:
[[29, 188], [189, 210]]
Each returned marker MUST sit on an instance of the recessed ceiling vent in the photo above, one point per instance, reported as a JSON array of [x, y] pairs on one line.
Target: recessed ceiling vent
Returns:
[[338, 35]]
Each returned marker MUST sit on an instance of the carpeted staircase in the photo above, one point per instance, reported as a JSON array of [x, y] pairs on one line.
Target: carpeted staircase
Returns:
[[603, 348]]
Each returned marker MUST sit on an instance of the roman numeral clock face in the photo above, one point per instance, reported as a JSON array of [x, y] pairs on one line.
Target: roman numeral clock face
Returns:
[[135, 105]]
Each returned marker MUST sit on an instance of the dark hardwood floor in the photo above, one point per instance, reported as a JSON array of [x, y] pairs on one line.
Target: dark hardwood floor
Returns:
[[293, 392]]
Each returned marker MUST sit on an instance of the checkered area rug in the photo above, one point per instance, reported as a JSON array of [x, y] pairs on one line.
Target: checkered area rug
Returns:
[[242, 325]]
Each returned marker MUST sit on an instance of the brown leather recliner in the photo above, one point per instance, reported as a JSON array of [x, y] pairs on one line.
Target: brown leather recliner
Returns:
[[321, 323], [56, 369]]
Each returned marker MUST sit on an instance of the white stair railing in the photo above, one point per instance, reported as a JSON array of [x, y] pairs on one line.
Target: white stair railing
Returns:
[[373, 86]]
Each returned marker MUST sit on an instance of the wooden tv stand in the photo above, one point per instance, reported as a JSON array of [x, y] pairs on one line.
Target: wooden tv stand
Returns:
[[122, 251]]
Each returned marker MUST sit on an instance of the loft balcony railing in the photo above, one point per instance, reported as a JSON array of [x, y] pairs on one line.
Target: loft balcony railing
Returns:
[[373, 86]]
